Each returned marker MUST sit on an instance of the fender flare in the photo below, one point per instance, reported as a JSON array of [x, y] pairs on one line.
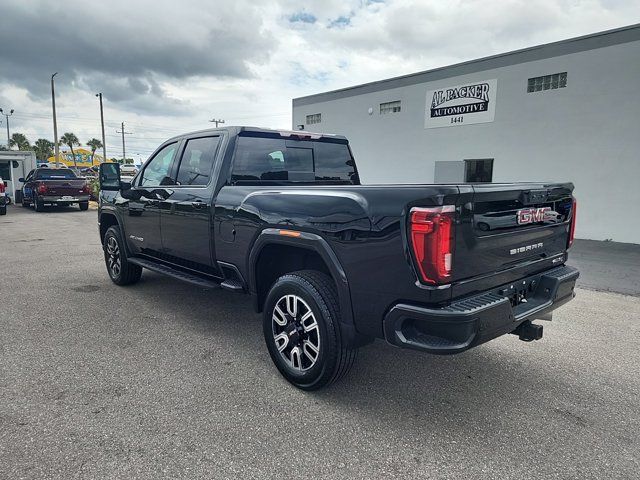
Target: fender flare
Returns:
[[113, 212], [309, 241]]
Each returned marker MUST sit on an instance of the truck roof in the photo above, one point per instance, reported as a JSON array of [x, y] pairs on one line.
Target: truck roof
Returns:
[[236, 130]]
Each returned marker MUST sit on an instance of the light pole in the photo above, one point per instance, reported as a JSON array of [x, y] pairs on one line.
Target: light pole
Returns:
[[55, 123], [104, 142], [216, 121], [7, 115], [124, 157]]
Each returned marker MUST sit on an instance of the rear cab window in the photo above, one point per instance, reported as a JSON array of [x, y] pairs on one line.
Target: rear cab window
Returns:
[[54, 174], [280, 161]]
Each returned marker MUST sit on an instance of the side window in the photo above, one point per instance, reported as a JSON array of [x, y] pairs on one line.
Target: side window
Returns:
[[156, 172], [197, 161]]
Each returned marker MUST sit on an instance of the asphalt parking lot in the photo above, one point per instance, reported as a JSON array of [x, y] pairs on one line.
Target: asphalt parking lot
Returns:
[[163, 380]]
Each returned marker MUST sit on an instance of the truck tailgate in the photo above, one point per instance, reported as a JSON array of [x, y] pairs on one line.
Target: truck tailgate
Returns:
[[65, 187], [508, 225]]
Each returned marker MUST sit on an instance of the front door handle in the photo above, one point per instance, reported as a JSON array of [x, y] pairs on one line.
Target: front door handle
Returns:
[[198, 204]]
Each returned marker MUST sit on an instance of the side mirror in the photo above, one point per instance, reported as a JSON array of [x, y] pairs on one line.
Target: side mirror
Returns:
[[21, 179], [109, 176]]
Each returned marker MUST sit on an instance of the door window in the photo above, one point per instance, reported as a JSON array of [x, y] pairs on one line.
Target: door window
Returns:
[[156, 172], [197, 161]]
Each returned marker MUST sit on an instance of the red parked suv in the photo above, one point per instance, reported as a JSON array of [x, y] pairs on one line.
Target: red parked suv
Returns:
[[57, 186], [3, 198]]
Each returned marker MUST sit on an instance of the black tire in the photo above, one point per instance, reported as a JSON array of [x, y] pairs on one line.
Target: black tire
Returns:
[[3, 210], [334, 358], [25, 202], [126, 273], [38, 205], [84, 205]]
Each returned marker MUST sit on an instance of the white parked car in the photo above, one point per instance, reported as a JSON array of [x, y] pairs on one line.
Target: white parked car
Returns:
[[128, 170]]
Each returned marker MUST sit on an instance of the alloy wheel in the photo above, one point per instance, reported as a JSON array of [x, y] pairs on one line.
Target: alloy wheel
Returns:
[[295, 332], [113, 257]]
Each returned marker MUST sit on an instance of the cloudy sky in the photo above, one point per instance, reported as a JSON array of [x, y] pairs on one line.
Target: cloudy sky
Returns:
[[167, 67]]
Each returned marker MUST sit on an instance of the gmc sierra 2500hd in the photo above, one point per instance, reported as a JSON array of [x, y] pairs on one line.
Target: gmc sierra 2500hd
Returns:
[[331, 263]]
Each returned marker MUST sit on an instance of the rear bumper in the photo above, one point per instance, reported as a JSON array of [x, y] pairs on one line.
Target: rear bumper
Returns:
[[474, 320], [60, 199]]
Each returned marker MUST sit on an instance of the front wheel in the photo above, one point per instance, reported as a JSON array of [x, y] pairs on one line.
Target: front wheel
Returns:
[[302, 332], [3, 210], [121, 271]]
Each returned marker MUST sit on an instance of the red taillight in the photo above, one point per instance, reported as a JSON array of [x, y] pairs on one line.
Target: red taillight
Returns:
[[431, 231], [86, 189], [42, 188], [1, 187], [572, 227]]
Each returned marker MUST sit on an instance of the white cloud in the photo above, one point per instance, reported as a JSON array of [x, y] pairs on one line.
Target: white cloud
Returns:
[[167, 68]]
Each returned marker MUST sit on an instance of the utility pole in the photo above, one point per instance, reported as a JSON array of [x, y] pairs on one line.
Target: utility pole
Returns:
[[7, 115], [216, 122], [55, 123], [124, 156], [104, 142]]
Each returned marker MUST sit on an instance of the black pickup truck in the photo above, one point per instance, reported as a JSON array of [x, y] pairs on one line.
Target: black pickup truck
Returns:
[[332, 263]]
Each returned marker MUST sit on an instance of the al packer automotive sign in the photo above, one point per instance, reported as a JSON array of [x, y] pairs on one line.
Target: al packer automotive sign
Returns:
[[461, 105]]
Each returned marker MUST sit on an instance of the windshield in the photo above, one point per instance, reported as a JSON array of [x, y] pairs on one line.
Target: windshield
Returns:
[[55, 174]]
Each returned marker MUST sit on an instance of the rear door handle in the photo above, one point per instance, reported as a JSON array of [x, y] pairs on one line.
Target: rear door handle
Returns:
[[198, 204]]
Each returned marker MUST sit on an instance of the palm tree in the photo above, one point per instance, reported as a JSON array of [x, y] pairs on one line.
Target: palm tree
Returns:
[[94, 144], [43, 148], [20, 141], [70, 140]]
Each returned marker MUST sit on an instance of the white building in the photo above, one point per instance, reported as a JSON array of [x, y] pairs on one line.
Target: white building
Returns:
[[565, 111], [14, 165]]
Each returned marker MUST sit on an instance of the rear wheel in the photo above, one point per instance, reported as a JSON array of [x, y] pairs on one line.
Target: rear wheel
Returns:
[[38, 205], [84, 205], [25, 202], [3, 210], [120, 270], [302, 332]]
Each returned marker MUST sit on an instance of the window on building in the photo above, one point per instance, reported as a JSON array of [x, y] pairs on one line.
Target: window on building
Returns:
[[478, 171], [314, 118], [547, 82], [260, 160], [390, 107], [197, 161], [5, 171]]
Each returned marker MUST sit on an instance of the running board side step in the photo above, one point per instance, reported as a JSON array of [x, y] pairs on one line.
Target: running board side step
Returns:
[[173, 272]]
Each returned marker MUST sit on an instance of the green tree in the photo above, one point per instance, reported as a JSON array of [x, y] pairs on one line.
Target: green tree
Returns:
[[94, 144], [20, 141], [43, 148], [70, 140]]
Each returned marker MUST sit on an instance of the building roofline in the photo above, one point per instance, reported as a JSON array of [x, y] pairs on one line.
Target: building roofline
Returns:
[[592, 41]]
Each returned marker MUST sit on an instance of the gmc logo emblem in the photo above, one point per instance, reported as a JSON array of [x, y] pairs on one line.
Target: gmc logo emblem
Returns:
[[532, 215]]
